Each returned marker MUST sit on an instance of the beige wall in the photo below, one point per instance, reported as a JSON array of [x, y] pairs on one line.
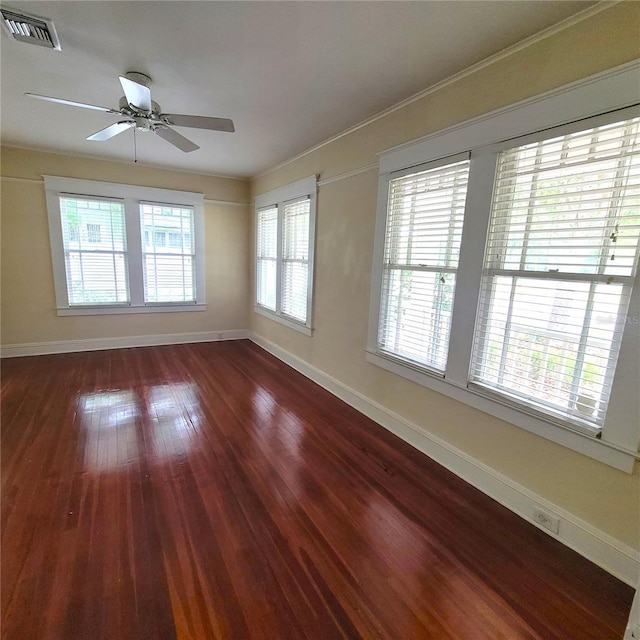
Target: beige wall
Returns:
[[28, 299], [605, 498]]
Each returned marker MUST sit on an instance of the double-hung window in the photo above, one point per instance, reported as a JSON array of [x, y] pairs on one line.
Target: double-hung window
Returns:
[[284, 232], [267, 257], [168, 266], [561, 257], [124, 249], [95, 250], [422, 244], [508, 278]]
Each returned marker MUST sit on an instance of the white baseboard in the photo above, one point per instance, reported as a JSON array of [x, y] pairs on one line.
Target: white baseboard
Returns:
[[98, 344], [597, 546]]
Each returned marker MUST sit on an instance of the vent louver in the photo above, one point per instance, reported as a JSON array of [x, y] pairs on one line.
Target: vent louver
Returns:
[[30, 29]]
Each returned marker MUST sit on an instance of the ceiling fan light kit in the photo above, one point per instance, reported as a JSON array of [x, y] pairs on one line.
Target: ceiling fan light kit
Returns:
[[144, 115]]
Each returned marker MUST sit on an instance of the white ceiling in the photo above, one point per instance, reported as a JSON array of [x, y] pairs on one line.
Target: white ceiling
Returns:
[[290, 74]]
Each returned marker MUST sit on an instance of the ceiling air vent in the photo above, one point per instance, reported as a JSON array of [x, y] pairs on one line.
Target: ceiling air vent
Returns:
[[31, 29]]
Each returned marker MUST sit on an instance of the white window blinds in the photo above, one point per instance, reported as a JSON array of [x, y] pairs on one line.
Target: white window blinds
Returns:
[[95, 250], [562, 253], [168, 253], [295, 258], [422, 243], [267, 257]]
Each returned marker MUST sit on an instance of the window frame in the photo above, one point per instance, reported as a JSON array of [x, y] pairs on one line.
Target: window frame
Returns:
[[278, 198], [630, 281], [426, 167], [131, 196], [166, 234], [93, 246], [262, 260], [607, 98]]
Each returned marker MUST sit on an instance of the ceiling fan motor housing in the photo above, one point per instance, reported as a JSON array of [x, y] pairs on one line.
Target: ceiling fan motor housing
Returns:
[[142, 123], [140, 78]]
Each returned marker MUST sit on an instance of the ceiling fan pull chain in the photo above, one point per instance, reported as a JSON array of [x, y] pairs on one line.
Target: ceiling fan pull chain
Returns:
[[135, 147]]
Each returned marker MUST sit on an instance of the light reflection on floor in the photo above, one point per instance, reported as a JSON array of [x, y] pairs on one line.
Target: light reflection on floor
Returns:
[[278, 434], [174, 417], [392, 535], [122, 426]]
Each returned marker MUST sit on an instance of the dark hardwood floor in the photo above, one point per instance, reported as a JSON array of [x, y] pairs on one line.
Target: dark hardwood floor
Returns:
[[210, 491]]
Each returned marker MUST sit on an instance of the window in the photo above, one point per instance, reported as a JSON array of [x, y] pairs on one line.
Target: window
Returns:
[[176, 240], [295, 259], [267, 257], [102, 265], [95, 274], [285, 227], [422, 243], [508, 278], [93, 233], [169, 269], [561, 257]]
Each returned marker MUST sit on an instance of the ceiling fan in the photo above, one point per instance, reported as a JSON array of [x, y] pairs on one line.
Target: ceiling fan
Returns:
[[143, 114]]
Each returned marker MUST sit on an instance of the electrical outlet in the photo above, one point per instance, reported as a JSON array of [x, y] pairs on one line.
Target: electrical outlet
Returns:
[[547, 520]]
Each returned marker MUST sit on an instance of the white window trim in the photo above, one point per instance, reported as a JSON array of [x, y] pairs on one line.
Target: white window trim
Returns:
[[442, 162], [307, 187], [132, 196], [614, 90]]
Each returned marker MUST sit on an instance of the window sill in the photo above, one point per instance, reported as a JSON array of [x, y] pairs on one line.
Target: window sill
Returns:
[[287, 322], [585, 444], [126, 309]]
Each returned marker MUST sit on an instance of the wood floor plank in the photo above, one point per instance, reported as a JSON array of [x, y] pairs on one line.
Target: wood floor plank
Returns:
[[210, 491]]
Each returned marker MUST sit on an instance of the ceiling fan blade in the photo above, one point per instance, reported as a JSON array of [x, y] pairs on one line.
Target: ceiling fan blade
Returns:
[[113, 130], [137, 94], [176, 139], [71, 103], [199, 122]]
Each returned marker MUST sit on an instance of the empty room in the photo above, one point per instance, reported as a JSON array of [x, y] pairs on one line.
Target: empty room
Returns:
[[320, 320]]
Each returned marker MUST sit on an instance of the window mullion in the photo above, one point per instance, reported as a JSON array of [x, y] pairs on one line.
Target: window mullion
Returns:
[[279, 257], [469, 274], [198, 248], [310, 256], [134, 251]]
